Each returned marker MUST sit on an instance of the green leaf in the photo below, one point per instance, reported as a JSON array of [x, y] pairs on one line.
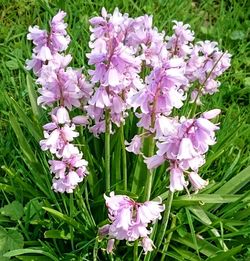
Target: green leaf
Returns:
[[14, 210], [201, 215], [9, 240], [237, 35], [27, 189], [235, 183], [33, 97], [12, 64], [60, 234], [68, 220], [7, 188], [33, 210], [190, 222], [21, 139], [222, 256], [32, 258], [201, 199], [32, 126], [4, 219], [247, 81], [18, 252], [187, 255]]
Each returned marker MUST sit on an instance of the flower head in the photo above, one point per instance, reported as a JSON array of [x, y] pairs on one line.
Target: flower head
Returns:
[[129, 219]]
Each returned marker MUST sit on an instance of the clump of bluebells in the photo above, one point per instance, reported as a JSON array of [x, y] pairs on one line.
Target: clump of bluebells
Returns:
[[133, 68]]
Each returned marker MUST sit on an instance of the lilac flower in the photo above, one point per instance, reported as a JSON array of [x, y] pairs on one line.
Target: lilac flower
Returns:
[[184, 145], [62, 115], [211, 114], [129, 219], [80, 120], [110, 246], [146, 39], [161, 94], [135, 145], [57, 137], [47, 44], [66, 86], [147, 245], [177, 180], [154, 161], [116, 67], [205, 64], [60, 85], [69, 171], [179, 43], [196, 181]]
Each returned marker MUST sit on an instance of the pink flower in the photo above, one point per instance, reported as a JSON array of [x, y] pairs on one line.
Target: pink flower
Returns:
[[69, 171], [110, 246], [135, 145], [150, 211], [183, 143], [47, 44], [196, 181], [101, 98], [129, 219], [211, 114], [205, 64], [161, 94], [62, 115], [186, 150], [177, 180], [154, 161], [80, 120], [180, 43], [147, 245]]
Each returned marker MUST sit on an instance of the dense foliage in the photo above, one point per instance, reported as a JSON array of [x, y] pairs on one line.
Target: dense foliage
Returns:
[[35, 221]]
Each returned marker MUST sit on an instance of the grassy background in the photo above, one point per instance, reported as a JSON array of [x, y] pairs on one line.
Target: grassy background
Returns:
[[63, 226]]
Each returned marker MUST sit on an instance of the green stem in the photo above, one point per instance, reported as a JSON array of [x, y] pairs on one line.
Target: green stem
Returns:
[[107, 150], [124, 160], [165, 220], [71, 209], [95, 250], [165, 248], [149, 180], [135, 254], [24, 230]]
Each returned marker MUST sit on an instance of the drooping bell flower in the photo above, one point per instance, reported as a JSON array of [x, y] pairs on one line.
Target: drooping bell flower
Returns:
[[129, 220]]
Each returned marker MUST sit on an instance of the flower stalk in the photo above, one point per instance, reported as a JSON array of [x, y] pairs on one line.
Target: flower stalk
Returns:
[[165, 219], [124, 159], [107, 150], [135, 252], [166, 244], [149, 179]]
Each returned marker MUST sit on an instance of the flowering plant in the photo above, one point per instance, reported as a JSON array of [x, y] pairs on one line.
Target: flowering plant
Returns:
[[136, 75]]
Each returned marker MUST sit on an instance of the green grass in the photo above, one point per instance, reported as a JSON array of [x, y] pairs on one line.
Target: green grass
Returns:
[[212, 225]]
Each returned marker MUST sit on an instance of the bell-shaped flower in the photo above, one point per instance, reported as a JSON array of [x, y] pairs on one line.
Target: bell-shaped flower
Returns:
[[196, 181], [177, 180], [135, 145]]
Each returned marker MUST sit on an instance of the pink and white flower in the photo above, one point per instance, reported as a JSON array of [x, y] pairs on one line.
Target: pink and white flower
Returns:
[[130, 220]]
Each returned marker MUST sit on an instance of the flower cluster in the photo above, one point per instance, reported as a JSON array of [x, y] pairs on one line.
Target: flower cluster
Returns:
[[133, 67], [161, 94], [205, 64], [63, 88], [184, 146], [120, 47], [129, 220], [116, 68], [180, 43], [182, 65], [48, 44]]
